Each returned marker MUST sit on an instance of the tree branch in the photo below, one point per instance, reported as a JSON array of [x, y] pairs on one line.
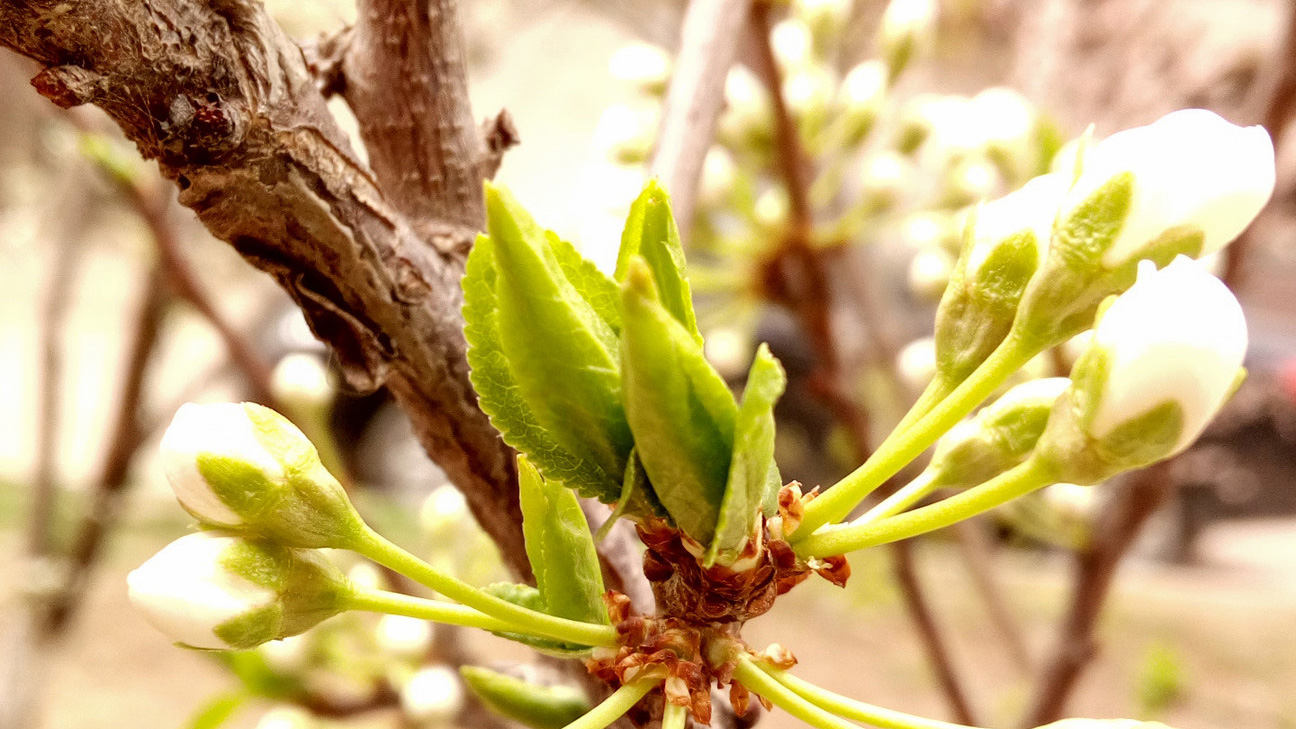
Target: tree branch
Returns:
[[406, 78], [1095, 568], [217, 94], [694, 99]]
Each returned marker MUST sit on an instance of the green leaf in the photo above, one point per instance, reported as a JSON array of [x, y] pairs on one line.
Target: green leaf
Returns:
[[530, 598], [599, 291], [540, 707], [650, 232], [561, 352], [498, 392], [560, 548], [680, 410], [748, 489], [219, 710]]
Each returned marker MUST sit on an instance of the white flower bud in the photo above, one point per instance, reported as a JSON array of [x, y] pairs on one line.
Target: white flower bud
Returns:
[[971, 179], [1000, 436], [302, 379], [771, 209], [625, 133], [916, 363], [1006, 245], [216, 591], [929, 273], [646, 66], [1192, 172], [826, 18], [403, 637], [246, 468], [444, 508], [865, 85], [884, 178], [1164, 358], [728, 350], [432, 696], [907, 28], [286, 717], [792, 43], [718, 175], [1028, 211], [1178, 335]]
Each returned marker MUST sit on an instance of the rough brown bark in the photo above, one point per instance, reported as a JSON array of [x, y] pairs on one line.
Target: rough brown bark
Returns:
[[224, 101]]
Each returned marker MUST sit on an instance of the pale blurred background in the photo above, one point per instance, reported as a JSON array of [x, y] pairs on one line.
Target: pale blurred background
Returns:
[[1198, 635]]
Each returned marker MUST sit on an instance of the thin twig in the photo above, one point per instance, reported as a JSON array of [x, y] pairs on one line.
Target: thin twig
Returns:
[[153, 207], [68, 218], [695, 97], [799, 276], [125, 438], [1095, 567], [978, 555]]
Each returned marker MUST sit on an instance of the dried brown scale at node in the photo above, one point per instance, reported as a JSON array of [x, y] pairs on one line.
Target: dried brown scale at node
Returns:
[[695, 641]]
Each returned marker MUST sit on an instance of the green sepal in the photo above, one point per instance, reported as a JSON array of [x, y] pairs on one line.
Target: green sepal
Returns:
[[562, 354], [539, 707], [679, 408], [1076, 456], [1064, 296], [975, 316], [748, 488], [650, 232], [498, 392], [1001, 440], [560, 548], [308, 590], [530, 598]]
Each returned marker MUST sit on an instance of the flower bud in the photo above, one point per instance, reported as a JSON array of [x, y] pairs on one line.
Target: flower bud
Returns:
[[221, 592], [826, 18], [929, 274], [860, 97], [403, 637], [1191, 174], [1186, 184], [246, 468], [1164, 358], [907, 28], [916, 363], [286, 717], [625, 133], [645, 66], [792, 44], [1006, 242], [1000, 436], [302, 380], [432, 696], [718, 175]]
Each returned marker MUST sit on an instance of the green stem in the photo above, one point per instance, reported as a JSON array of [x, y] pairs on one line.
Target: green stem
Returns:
[[856, 710], [897, 502], [904, 446], [749, 674], [450, 613], [616, 705], [938, 389], [674, 717], [378, 548], [1023, 479]]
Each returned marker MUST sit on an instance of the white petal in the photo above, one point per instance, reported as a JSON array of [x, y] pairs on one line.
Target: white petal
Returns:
[[218, 428], [1177, 335], [1034, 207], [185, 592], [1190, 167], [432, 694]]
